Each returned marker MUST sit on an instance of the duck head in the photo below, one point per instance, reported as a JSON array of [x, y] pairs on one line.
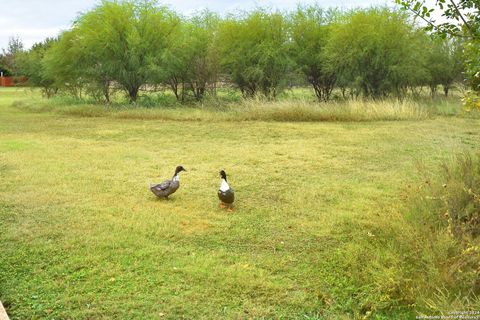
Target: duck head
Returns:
[[223, 175], [179, 169]]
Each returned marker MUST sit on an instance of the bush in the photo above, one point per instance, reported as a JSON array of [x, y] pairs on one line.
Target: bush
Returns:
[[471, 101], [448, 206], [461, 197], [453, 198]]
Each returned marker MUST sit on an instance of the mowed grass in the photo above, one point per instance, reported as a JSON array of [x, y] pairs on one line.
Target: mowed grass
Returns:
[[317, 231]]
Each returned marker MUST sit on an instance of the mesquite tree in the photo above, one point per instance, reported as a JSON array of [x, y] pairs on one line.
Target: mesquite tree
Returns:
[[375, 52], [119, 42], [310, 29], [193, 58], [254, 52], [32, 66]]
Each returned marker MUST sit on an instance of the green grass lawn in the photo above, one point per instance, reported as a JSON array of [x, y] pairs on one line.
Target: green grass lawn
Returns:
[[317, 231]]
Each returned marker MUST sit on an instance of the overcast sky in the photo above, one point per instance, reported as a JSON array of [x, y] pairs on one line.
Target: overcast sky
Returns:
[[34, 20]]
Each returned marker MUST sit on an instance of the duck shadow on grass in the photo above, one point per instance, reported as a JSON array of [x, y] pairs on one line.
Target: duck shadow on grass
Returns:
[[214, 207], [162, 199]]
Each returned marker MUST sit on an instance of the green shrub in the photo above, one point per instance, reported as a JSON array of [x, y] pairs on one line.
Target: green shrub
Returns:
[[471, 101], [446, 209], [451, 201]]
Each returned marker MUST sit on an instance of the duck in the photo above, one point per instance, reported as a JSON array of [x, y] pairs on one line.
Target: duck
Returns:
[[168, 187], [225, 193]]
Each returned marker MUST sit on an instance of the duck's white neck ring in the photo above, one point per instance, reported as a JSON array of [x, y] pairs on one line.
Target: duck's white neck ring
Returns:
[[176, 177], [224, 186]]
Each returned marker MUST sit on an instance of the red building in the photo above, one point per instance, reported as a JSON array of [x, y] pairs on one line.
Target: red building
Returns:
[[12, 81]]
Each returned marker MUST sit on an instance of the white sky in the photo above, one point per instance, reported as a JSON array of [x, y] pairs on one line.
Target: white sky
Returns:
[[34, 20]]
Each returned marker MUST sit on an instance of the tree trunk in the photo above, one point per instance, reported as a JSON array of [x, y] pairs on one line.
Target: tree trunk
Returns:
[[317, 90], [183, 91], [174, 87], [106, 91], [433, 90], [133, 93], [445, 90]]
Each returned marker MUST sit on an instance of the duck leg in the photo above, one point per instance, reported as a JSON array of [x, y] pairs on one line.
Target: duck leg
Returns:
[[222, 205]]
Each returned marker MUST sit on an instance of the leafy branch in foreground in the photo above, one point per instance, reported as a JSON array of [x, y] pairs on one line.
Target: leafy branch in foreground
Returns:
[[462, 20], [462, 17]]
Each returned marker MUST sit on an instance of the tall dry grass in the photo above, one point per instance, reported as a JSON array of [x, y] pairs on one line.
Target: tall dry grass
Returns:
[[354, 110], [445, 209], [250, 110]]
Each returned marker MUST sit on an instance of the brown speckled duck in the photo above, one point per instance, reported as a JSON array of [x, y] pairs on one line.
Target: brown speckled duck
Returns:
[[167, 187]]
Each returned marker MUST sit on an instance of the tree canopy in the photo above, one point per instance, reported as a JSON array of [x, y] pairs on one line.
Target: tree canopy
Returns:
[[131, 46]]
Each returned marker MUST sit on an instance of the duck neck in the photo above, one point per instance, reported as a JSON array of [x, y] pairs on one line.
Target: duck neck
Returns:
[[176, 177], [224, 186]]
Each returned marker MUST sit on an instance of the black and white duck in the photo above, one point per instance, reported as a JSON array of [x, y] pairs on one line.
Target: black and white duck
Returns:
[[225, 193], [167, 187]]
